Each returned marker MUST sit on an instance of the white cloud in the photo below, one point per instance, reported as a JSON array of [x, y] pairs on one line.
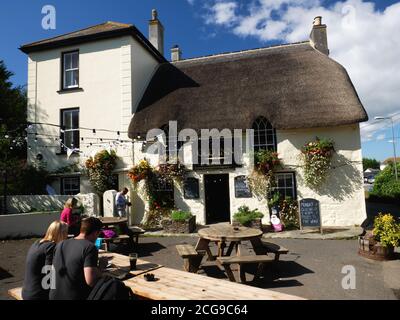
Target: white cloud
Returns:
[[222, 13], [364, 40], [191, 2]]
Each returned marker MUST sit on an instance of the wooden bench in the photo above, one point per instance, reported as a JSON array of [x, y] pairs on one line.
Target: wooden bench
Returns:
[[120, 239], [260, 260], [136, 231], [16, 293], [275, 249], [191, 257]]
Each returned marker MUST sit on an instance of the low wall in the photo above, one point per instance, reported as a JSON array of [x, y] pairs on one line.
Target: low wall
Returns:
[[38, 203], [25, 225]]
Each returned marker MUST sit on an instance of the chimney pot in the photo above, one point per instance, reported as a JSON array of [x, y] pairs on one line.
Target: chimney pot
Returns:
[[317, 21], [154, 14]]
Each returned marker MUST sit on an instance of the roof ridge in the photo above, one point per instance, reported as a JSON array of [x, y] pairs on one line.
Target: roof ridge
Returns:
[[80, 30], [241, 51]]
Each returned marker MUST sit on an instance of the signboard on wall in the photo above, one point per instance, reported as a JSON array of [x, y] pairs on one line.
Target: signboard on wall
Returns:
[[191, 188], [242, 189], [310, 216]]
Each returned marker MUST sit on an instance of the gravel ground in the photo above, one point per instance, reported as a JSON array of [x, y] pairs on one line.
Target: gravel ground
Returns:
[[312, 270]]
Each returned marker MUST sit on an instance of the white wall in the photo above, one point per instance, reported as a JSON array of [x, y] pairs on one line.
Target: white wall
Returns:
[[341, 198], [23, 204], [112, 74], [26, 225]]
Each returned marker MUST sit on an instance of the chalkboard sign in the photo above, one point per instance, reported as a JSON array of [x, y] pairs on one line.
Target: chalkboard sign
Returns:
[[242, 189], [191, 188], [309, 213]]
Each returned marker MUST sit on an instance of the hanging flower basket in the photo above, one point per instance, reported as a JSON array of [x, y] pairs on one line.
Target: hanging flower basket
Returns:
[[317, 158]]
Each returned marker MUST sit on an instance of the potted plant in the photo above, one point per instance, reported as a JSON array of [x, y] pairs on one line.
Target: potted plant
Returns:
[[179, 222], [248, 218], [380, 244]]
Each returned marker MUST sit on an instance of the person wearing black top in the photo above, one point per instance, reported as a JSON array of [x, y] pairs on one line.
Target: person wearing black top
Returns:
[[39, 255], [76, 263]]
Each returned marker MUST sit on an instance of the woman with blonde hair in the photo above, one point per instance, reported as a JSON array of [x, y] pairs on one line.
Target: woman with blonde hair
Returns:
[[68, 217], [39, 255]]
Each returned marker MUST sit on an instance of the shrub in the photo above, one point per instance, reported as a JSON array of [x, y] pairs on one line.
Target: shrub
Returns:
[[289, 213], [386, 230], [386, 186], [178, 215], [100, 170], [245, 216]]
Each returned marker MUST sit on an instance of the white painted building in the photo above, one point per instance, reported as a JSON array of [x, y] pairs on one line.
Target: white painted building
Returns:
[[111, 77]]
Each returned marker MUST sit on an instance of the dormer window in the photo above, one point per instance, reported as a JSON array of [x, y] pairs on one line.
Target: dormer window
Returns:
[[70, 62]]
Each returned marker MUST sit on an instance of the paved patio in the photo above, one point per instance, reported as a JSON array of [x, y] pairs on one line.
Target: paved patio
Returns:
[[312, 269]]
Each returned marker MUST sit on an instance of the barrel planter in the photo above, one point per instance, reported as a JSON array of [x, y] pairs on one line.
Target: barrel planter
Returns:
[[255, 224], [371, 249], [172, 226]]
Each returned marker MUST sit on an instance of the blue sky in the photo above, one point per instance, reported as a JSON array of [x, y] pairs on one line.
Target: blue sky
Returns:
[[203, 27]]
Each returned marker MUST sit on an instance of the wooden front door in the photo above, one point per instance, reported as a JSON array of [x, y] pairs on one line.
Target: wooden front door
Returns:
[[217, 198]]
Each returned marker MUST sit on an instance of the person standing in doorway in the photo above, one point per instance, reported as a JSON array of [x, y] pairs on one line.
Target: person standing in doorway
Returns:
[[121, 202]]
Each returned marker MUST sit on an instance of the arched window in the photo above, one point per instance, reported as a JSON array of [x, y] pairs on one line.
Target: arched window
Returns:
[[264, 135]]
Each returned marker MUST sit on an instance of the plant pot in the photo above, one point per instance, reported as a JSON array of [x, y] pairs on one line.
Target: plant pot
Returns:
[[187, 226], [371, 249], [255, 224]]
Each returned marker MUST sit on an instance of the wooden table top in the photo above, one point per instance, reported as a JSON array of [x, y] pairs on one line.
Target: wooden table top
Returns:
[[226, 232], [122, 262], [181, 285], [112, 220]]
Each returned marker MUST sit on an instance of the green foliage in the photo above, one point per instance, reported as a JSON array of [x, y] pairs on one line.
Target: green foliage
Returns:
[[244, 215], [289, 213], [100, 170], [154, 217], [266, 161], [385, 185], [179, 215], [31, 180], [13, 103], [386, 230], [274, 199], [317, 156], [370, 163]]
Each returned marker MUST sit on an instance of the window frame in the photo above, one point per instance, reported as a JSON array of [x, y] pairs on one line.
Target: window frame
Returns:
[[269, 131], [62, 128], [63, 70], [294, 187], [62, 185]]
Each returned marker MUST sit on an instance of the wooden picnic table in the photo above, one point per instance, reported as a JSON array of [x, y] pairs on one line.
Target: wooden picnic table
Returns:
[[222, 233], [174, 284]]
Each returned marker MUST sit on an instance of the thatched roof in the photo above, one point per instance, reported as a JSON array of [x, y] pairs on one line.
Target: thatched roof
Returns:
[[293, 86], [104, 30]]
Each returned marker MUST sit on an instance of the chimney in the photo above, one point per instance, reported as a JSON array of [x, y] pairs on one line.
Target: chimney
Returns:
[[318, 36], [156, 32], [176, 53]]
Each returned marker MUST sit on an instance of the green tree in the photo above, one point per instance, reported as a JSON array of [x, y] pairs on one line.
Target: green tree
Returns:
[[386, 186], [370, 164], [13, 104]]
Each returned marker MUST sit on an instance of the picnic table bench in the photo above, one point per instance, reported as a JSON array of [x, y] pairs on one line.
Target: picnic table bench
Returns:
[[191, 257], [260, 260], [274, 248]]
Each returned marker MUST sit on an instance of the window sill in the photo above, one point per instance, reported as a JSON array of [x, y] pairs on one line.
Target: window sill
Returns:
[[62, 91]]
